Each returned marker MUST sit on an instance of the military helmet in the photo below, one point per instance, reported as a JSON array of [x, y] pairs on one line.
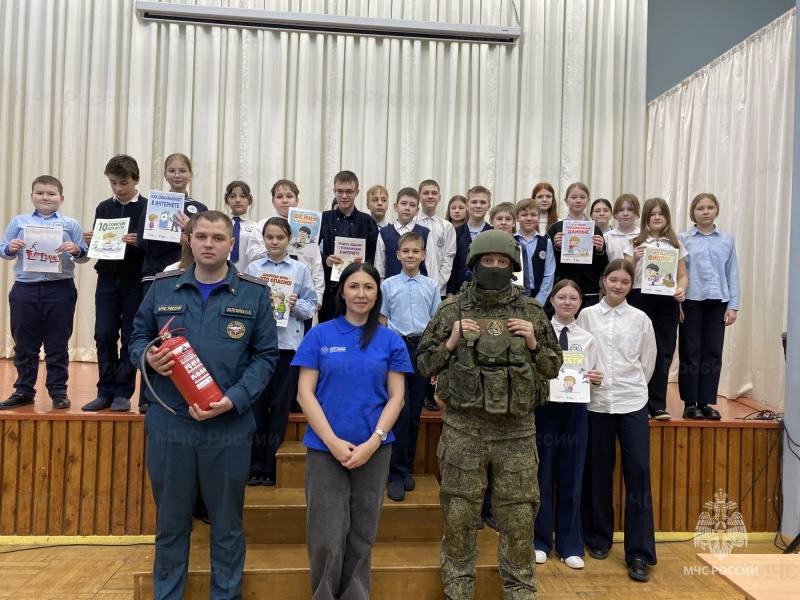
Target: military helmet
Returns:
[[494, 241]]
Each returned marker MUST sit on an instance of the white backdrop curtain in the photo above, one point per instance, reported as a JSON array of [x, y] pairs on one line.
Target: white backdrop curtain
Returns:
[[728, 129], [82, 80]]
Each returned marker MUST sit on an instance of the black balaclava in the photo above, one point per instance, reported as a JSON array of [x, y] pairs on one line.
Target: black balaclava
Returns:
[[492, 278]]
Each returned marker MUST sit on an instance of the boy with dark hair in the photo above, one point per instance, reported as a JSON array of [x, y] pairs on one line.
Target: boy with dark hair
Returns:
[[344, 220], [410, 299], [42, 301], [387, 259], [119, 290]]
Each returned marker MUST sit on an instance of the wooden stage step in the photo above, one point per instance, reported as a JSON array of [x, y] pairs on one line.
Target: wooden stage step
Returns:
[[400, 570], [291, 465], [275, 515]]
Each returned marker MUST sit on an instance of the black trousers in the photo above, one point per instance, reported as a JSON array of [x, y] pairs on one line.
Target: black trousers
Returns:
[[271, 411], [700, 350], [406, 429], [115, 306], [328, 308], [41, 315], [633, 431], [664, 312]]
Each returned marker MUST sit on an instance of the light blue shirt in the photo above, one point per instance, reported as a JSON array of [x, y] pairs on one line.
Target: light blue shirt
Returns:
[[712, 267], [409, 302], [72, 233], [549, 265], [289, 337]]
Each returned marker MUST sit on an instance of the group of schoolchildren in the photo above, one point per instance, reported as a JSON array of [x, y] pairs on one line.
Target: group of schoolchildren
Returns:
[[628, 337]]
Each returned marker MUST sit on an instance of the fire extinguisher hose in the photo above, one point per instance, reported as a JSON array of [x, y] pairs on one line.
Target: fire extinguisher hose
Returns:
[[146, 379]]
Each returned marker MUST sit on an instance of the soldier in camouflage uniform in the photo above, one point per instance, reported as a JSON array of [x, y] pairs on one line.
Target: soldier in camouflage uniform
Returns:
[[494, 351]]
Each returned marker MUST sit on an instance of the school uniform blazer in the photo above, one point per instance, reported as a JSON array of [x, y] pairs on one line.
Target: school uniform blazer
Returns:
[[459, 272]]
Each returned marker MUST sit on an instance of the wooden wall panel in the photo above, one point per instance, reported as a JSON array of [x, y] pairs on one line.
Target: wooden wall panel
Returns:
[[83, 477]]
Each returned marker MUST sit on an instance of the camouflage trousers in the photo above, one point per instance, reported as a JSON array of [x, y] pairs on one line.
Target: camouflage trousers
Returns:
[[463, 459]]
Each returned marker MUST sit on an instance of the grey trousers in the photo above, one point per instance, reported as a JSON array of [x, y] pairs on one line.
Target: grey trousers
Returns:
[[343, 510]]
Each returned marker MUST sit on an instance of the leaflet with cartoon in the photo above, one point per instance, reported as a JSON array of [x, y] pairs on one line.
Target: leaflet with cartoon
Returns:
[[305, 226], [659, 270], [39, 254], [572, 384], [576, 246], [281, 287], [107, 241], [350, 250], [160, 216]]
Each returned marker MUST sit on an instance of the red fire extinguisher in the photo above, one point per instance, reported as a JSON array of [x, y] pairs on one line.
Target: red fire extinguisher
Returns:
[[189, 374]]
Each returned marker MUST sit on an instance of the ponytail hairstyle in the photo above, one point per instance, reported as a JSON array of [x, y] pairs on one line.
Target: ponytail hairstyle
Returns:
[[371, 326]]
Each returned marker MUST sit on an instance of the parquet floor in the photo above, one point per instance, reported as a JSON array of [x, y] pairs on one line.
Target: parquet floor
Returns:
[[105, 573]]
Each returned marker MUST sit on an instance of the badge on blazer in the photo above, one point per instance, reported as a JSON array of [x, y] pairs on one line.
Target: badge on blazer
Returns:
[[235, 329], [542, 254], [191, 209]]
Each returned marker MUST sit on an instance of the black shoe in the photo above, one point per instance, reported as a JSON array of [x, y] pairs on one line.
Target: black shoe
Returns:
[[268, 481], [99, 403], [143, 406], [598, 553], [395, 490], [710, 413], [120, 404], [662, 415], [14, 400], [60, 401], [255, 479], [638, 570], [408, 483], [431, 405], [692, 411]]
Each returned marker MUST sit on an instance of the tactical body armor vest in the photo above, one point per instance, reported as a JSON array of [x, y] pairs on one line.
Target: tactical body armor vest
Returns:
[[493, 371]]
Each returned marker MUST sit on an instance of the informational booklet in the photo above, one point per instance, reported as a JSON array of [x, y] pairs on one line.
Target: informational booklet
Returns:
[[576, 247], [280, 288], [107, 241], [305, 226], [571, 385], [350, 250], [659, 270], [161, 216], [39, 255]]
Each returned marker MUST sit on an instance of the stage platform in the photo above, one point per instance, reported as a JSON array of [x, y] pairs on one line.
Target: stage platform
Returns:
[[74, 473]]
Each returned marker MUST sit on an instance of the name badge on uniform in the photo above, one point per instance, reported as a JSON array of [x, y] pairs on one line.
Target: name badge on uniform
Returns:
[[170, 308], [542, 254], [191, 209], [235, 310]]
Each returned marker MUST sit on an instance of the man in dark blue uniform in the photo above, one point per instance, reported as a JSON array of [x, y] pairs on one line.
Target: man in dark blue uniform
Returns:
[[227, 318]]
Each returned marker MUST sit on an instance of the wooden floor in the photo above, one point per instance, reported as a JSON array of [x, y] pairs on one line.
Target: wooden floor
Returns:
[[106, 573]]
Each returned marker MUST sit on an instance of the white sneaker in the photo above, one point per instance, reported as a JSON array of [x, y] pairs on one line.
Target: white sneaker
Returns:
[[574, 562], [541, 557]]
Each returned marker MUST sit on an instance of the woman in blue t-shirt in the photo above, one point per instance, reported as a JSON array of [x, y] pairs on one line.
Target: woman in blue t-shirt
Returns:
[[351, 387]]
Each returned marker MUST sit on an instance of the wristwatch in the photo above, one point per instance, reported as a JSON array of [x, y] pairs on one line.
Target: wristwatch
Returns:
[[382, 435]]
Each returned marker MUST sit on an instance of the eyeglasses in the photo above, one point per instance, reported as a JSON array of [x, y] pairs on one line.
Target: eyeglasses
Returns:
[[347, 192]]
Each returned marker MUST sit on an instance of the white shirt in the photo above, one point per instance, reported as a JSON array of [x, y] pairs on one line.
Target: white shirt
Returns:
[[580, 340], [440, 249], [652, 242], [616, 241], [250, 242], [543, 218], [380, 249], [627, 347]]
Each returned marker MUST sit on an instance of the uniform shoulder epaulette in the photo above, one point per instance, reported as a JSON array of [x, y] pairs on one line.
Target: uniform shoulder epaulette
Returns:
[[172, 273], [251, 279]]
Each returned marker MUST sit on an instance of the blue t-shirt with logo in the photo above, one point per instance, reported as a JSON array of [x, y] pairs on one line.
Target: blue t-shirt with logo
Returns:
[[352, 388]]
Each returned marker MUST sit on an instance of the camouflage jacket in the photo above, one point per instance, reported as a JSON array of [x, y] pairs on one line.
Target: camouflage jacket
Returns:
[[495, 375]]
